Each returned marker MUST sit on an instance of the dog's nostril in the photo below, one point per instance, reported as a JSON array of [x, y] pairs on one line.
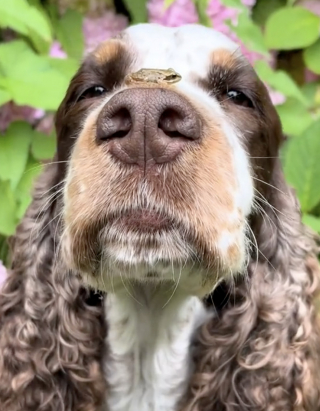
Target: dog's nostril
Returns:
[[175, 124], [168, 123], [117, 125], [120, 133]]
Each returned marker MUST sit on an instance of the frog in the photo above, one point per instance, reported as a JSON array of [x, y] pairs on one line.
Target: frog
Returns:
[[157, 76]]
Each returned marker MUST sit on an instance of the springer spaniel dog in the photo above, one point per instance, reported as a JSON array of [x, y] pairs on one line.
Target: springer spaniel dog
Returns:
[[162, 265]]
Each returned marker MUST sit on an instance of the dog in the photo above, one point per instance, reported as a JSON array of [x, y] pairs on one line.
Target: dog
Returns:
[[162, 264]]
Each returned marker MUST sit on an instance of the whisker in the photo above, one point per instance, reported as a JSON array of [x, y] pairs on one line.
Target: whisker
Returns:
[[264, 214], [127, 290], [174, 290], [270, 185], [264, 157], [274, 209], [43, 165], [259, 251], [43, 209]]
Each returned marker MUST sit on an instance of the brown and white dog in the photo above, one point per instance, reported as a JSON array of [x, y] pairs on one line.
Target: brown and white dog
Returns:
[[167, 196]]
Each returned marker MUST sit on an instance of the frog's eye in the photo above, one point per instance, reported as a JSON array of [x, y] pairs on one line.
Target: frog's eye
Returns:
[[173, 76]]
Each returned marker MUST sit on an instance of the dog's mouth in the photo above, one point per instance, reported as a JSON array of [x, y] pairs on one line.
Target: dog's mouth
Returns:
[[142, 220]]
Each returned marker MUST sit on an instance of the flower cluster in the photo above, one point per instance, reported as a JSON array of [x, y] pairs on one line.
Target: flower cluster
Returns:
[[11, 112], [312, 5], [180, 12], [98, 29], [184, 12]]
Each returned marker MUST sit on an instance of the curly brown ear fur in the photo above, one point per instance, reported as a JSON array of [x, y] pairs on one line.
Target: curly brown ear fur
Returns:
[[50, 339], [262, 352]]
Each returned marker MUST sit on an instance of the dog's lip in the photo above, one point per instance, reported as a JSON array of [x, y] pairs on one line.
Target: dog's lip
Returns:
[[143, 220]]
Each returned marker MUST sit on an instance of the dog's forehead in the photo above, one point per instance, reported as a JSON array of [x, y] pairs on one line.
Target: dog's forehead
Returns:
[[188, 48]]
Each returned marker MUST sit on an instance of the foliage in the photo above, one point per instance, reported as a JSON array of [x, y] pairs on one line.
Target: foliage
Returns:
[[301, 28], [31, 75]]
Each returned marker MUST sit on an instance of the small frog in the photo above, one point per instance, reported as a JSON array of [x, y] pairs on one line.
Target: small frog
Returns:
[[157, 76]]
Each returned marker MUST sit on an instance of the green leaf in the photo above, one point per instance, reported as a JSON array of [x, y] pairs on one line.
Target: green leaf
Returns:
[[310, 90], [4, 250], [264, 8], [69, 33], [302, 166], [23, 192], [202, 6], [312, 222], [236, 4], [250, 34], [8, 209], [4, 97], [14, 147], [312, 57], [317, 96], [25, 19], [67, 67], [43, 146], [291, 28], [35, 81], [279, 80], [137, 10], [294, 116], [167, 3]]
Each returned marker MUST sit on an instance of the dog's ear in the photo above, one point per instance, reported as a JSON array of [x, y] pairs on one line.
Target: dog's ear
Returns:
[[50, 339], [262, 351]]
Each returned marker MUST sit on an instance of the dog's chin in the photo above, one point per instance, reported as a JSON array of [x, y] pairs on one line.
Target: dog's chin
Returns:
[[158, 258], [145, 254], [149, 247]]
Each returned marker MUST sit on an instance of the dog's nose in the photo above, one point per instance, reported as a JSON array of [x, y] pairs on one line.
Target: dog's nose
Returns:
[[147, 126]]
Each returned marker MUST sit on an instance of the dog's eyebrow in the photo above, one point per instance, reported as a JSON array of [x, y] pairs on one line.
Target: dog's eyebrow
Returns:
[[111, 72], [233, 73], [107, 66], [111, 62]]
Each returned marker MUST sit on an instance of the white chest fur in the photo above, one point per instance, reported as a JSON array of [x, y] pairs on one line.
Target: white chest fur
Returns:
[[149, 361]]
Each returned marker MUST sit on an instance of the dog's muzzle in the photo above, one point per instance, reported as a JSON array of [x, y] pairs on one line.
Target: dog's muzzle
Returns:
[[147, 126]]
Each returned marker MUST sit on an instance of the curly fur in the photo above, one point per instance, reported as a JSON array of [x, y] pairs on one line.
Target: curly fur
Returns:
[[51, 339], [261, 353]]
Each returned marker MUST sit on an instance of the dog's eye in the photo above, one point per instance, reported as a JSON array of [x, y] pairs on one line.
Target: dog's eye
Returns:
[[92, 92], [239, 98]]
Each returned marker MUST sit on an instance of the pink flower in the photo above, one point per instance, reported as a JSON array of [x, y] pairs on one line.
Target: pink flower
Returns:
[[248, 3], [219, 14], [56, 51], [184, 12], [3, 273], [310, 76], [98, 29], [11, 112], [277, 98], [312, 5], [178, 13], [217, 11], [46, 124]]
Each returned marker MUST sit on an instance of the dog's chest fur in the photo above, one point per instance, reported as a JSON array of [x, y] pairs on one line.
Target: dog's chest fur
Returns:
[[149, 348]]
